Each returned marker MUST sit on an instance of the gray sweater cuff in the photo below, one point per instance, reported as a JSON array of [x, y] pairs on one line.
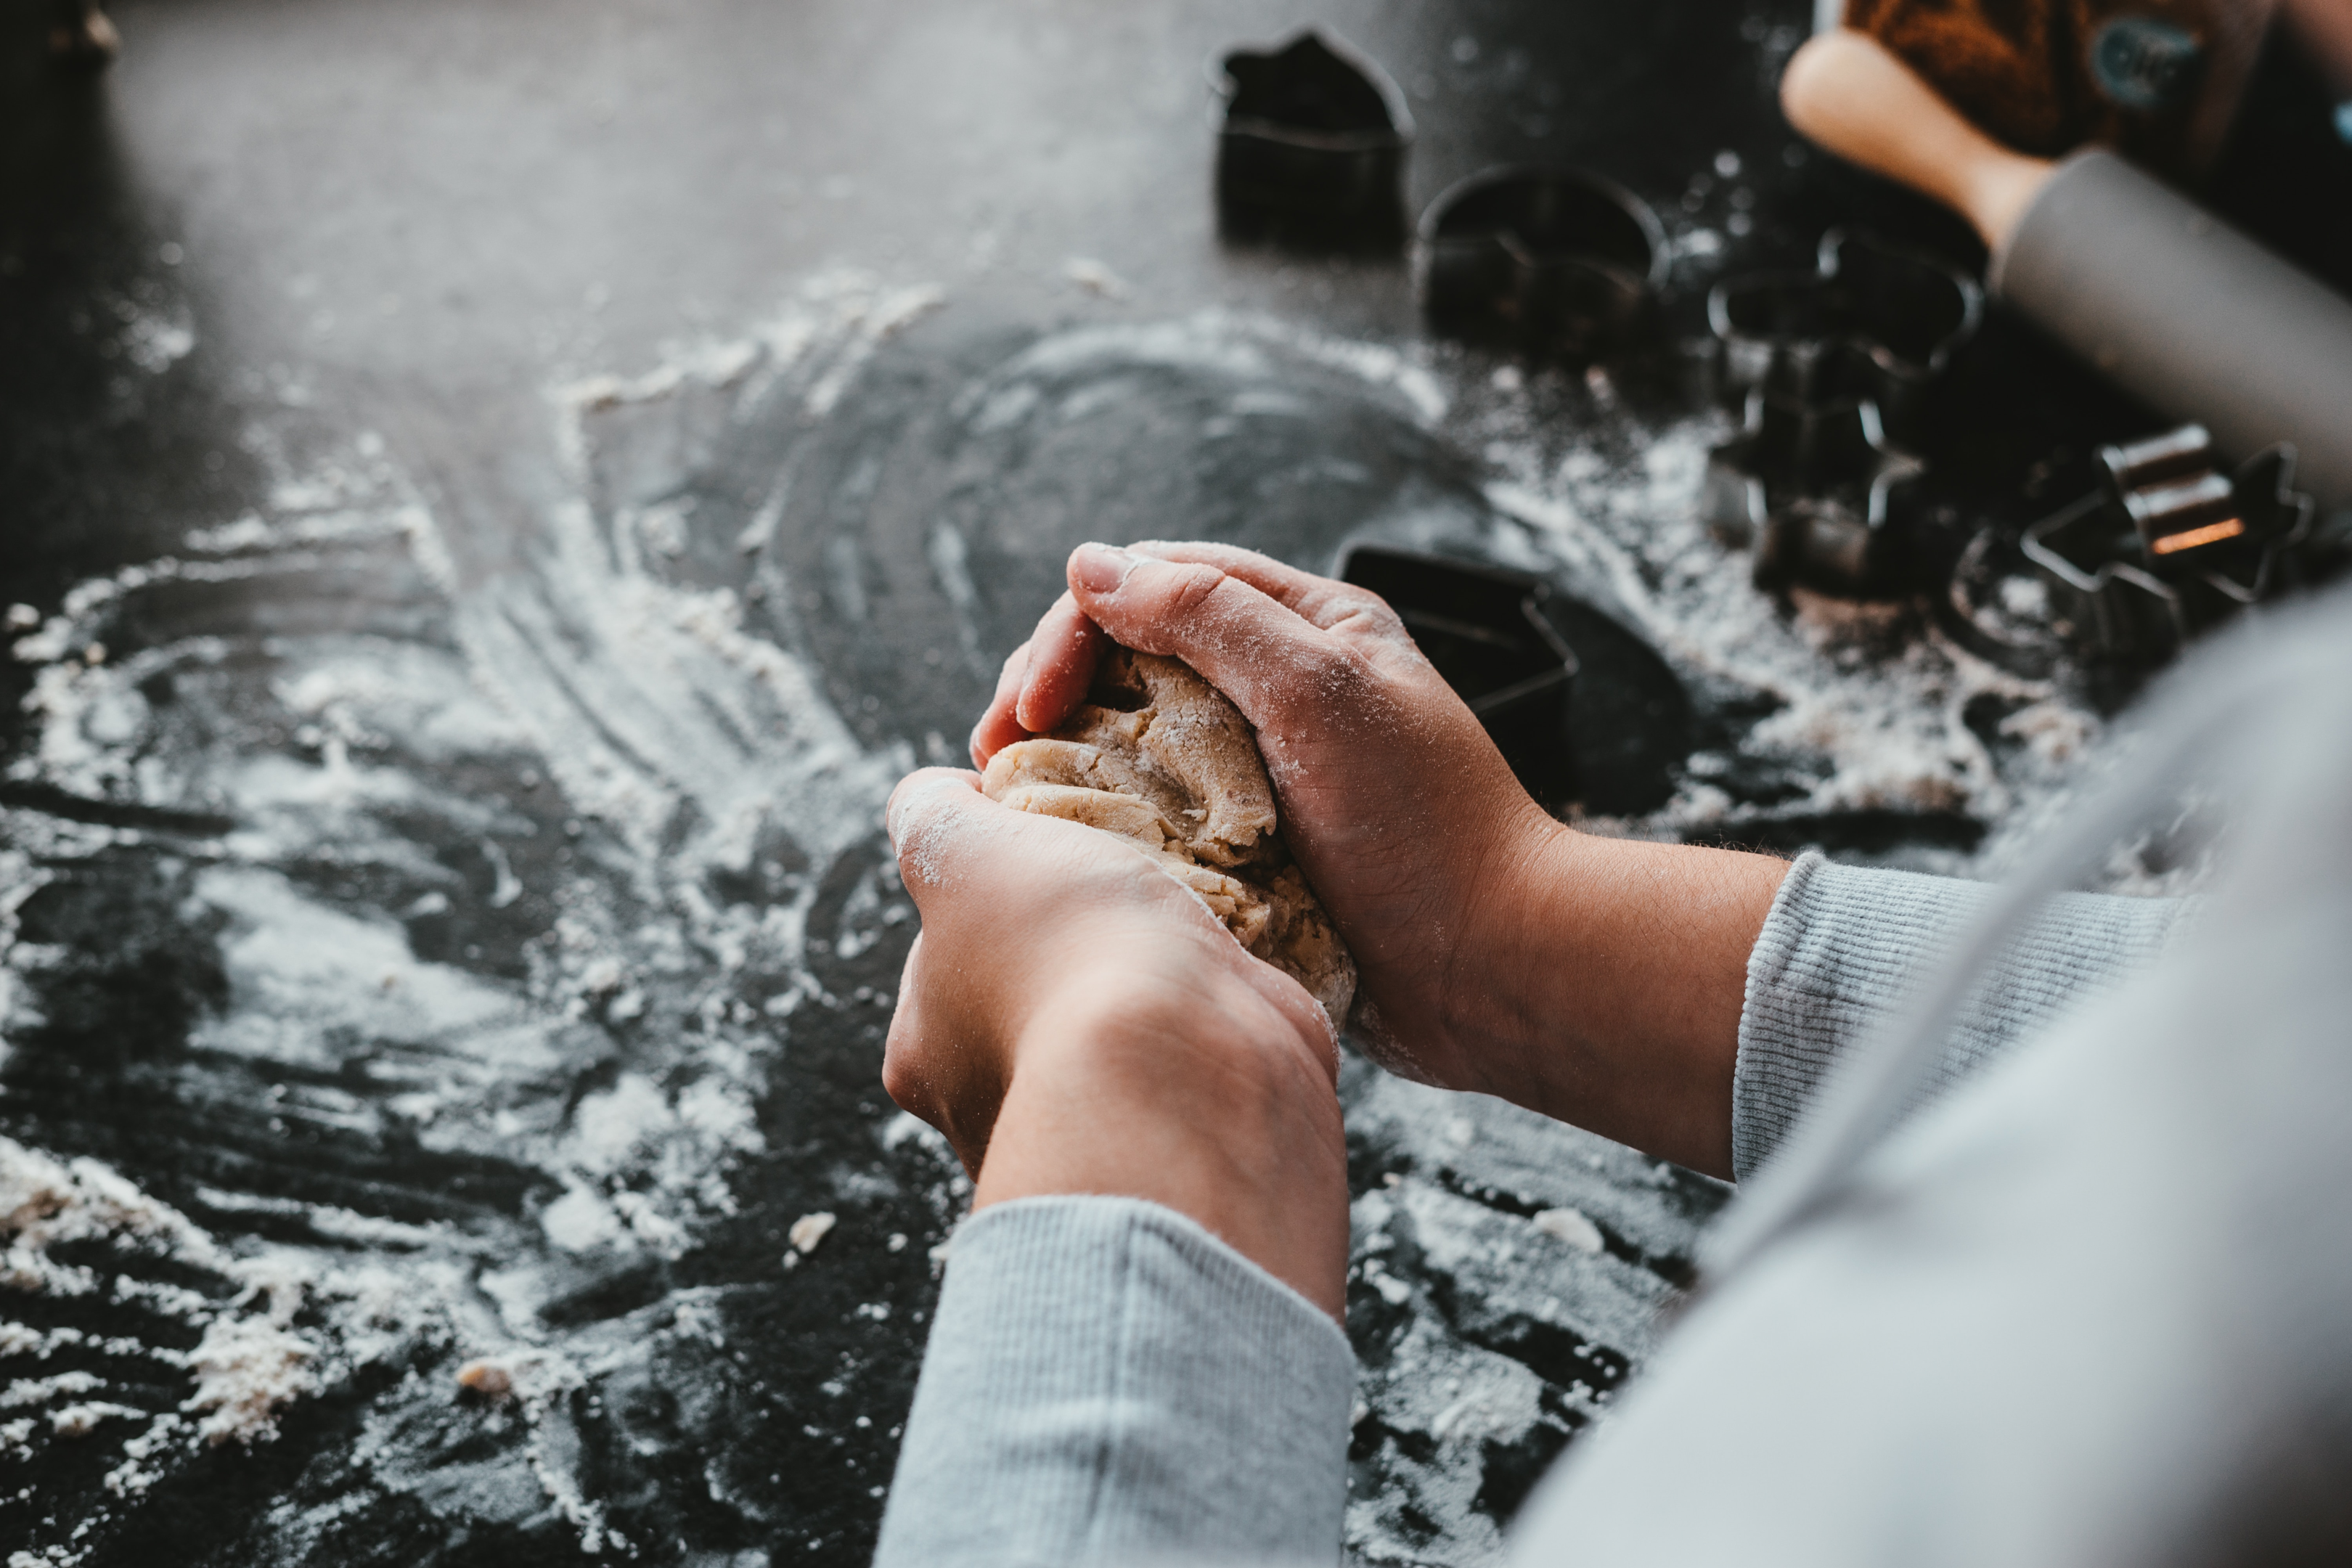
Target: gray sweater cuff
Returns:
[[1845, 948], [1106, 1382]]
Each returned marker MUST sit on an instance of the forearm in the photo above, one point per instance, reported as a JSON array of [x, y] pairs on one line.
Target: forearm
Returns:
[[1689, 1002], [1106, 1378], [1604, 987], [1200, 1099]]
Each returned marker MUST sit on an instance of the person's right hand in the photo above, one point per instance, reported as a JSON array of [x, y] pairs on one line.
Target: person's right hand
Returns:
[[1594, 980]]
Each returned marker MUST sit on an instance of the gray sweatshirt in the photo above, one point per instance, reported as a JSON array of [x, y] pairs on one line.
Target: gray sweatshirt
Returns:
[[2093, 1304]]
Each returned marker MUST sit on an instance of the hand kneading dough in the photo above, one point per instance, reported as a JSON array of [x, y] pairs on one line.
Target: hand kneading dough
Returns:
[[1158, 756]]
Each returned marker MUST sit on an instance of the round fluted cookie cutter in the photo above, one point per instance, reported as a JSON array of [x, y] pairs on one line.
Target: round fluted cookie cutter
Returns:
[[1559, 263], [1311, 143]]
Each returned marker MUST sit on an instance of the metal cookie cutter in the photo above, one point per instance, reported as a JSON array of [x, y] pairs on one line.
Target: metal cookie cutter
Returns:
[[1819, 493], [1553, 262], [1312, 144], [1871, 320], [1996, 605], [1485, 629], [2170, 546]]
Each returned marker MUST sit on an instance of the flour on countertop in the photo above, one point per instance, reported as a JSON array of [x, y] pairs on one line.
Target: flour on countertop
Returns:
[[593, 703], [616, 774]]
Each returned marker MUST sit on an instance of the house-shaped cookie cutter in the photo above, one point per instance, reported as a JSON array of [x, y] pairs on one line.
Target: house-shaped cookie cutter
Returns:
[[1555, 263], [1311, 143], [1485, 629], [1872, 319], [1817, 491], [2170, 545]]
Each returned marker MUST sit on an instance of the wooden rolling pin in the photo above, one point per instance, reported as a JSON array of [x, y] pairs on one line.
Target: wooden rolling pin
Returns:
[[2172, 304]]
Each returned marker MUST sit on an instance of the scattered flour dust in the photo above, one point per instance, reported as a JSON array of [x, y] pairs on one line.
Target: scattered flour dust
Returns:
[[246, 1368], [647, 698], [1868, 709], [682, 742], [1242, 346]]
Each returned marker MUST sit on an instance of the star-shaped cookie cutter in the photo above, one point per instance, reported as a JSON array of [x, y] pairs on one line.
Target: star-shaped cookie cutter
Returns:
[[2170, 546], [1311, 143], [1819, 493], [1872, 319], [1555, 263]]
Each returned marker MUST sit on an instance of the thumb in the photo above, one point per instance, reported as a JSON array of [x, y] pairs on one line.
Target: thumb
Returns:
[[1252, 648], [953, 841], [937, 818]]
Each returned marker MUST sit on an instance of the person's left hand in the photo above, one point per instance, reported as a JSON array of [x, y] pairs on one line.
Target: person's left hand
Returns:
[[1077, 1022]]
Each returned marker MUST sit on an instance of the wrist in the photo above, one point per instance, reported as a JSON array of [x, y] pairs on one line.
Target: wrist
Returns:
[[1607, 985], [1202, 1096], [1500, 980]]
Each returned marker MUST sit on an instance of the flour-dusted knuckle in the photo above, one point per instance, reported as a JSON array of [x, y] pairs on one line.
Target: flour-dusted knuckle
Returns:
[[1159, 758]]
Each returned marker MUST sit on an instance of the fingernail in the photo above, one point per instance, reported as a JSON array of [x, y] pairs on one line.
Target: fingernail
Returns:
[[1100, 568]]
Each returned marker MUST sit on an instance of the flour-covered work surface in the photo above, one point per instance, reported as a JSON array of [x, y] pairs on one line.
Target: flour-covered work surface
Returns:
[[486, 534], [444, 1014]]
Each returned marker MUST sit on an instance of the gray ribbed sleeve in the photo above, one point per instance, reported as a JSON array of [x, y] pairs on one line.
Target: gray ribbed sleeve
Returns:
[[1107, 1383], [1845, 947]]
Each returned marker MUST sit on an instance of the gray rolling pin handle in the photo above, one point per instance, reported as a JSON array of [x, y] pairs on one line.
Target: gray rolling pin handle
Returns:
[[2188, 314]]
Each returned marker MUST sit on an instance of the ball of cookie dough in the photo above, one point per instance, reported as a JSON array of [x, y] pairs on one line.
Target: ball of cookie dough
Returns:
[[1162, 759]]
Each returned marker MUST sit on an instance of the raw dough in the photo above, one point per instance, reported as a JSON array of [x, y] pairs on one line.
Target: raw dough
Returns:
[[1158, 756]]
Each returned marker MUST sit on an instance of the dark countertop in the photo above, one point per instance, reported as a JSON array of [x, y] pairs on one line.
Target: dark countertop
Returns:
[[499, 493]]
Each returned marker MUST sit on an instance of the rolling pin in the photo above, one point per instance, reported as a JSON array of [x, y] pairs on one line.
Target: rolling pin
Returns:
[[2172, 304]]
